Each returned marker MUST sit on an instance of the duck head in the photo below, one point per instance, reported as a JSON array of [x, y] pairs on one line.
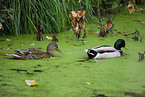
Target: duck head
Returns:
[[119, 44], [52, 47]]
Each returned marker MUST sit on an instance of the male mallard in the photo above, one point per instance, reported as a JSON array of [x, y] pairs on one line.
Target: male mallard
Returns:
[[105, 51], [33, 53]]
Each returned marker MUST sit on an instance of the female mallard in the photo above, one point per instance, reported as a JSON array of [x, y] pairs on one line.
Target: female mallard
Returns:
[[33, 53], [105, 51]]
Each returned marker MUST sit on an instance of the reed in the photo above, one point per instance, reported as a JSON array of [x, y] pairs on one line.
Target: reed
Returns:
[[22, 16]]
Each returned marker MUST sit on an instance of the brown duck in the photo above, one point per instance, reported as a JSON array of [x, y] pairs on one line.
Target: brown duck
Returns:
[[33, 53]]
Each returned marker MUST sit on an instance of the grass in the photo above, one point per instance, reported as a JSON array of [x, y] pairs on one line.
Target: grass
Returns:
[[53, 16], [67, 75]]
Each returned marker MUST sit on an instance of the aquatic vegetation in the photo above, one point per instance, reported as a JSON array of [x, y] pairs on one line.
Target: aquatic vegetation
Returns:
[[131, 6], [40, 33], [73, 74], [53, 16], [136, 36], [78, 23], [141, 56]]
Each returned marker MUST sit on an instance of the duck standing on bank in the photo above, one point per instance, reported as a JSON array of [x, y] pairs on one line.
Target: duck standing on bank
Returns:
[[106, 51], [33, 53]]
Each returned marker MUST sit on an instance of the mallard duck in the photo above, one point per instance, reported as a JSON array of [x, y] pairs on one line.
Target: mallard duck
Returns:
[[33, 53], [106, 51]]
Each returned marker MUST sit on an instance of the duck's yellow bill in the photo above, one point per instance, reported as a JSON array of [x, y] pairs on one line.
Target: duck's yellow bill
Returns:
[[126, 47]]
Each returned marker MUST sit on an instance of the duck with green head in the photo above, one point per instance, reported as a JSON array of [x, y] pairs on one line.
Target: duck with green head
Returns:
[[106, 51]]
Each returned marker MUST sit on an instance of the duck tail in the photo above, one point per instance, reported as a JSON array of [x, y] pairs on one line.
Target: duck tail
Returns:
[[17, 56], [91, 53]]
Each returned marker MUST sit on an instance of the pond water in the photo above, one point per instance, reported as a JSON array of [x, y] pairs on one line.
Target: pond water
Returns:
[[72, 74]]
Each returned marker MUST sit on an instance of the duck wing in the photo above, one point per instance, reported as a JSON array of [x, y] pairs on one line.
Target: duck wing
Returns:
[[26, 51], [35, 55], [104, 48], [30, 54]]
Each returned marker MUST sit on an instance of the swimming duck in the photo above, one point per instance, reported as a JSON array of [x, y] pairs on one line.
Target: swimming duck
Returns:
[[33, 53], [106, 51]]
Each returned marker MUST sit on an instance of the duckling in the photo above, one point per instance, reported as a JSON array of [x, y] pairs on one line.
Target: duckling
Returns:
[[33, 53], [106, 51]]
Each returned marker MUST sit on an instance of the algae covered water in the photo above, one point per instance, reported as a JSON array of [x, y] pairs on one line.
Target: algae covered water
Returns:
[[72, 74]]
